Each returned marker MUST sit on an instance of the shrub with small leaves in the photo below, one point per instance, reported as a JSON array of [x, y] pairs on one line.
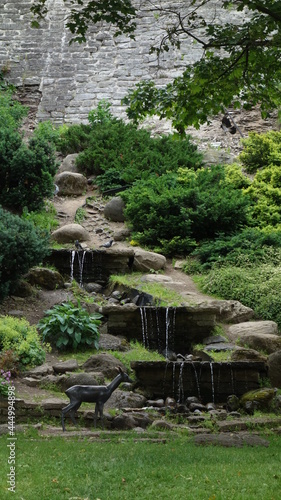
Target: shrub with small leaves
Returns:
[[23, 339], [70, 326]]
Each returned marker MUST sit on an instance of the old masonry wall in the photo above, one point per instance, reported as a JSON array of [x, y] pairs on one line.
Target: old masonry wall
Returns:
[[64, 82]]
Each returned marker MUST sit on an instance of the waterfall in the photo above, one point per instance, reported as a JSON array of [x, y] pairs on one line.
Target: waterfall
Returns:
[[81, 258], [212, 382], [72, 257], [180, 385], [167, 323], [196, 380], [174, 377], [144, 327], [170, 327]]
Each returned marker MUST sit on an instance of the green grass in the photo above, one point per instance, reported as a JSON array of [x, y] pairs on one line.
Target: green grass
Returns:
[[127, 468], [136, 352]]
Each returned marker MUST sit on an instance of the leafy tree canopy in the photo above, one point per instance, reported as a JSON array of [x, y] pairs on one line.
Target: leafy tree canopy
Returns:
[[83, 13], [240, 63]]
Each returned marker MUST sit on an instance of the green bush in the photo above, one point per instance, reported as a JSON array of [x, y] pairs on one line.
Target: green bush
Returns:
[[261, 150], [101, 114], [175, 211], [258, 287], [73, 139], [26, 171], [11, 111], [21, 247], [69, 326], [265, 192], [250, 246], [119, 153], [23, 339]]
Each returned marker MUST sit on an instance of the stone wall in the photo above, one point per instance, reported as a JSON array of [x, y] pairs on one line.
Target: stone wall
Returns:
[[71, 79]]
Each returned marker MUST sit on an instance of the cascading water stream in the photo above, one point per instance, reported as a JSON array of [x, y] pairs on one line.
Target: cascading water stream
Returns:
[[196, 380], [167, 323], [81, 258], [180, 385], [174, 377], [144, 327], [72, 257], [212, 382]]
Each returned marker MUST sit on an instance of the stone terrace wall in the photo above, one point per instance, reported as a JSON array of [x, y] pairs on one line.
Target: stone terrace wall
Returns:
[[69, 80]]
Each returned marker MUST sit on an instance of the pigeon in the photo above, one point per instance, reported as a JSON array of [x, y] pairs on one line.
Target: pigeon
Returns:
[[108, 244], [78, 246]]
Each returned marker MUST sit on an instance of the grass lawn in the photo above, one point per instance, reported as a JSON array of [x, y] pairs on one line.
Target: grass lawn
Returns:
[[126, 468]]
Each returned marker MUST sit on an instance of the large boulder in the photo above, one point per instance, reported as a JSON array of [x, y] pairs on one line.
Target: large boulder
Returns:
[[69, 233], [258, 327], [243, 354], [257, 335], [262, 397], [71, 183], [93, 378], [45, 278], [114, 209], [125, 399], [68, 164], [274, 368], [145, 261], [232, 311], [105, 363]]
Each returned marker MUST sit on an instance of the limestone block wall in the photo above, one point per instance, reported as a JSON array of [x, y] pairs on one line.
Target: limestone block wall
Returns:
[[69, 80]]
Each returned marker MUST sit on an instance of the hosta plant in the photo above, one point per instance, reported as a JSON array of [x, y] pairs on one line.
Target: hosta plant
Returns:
[[68, 326]]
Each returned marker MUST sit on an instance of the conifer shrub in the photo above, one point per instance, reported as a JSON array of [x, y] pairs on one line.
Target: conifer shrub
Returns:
[[251, 246], [119, 153], [26, 171], [258, 287], [174, 212], [261, 150], [21, 247]]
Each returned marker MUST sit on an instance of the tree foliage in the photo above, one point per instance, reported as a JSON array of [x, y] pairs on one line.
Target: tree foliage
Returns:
[[239, 66], [83, 13]]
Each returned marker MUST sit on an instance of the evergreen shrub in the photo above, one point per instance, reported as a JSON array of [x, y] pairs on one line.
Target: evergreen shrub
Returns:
[[174, 212], [258, 287], [261, 150], [119, 153], [21, 247], [26, 171], [248, 247]]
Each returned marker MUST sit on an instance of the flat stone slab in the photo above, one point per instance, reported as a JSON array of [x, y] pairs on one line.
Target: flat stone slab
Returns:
[[230, 440]]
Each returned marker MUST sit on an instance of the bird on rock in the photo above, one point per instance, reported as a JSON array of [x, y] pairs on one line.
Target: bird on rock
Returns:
[[78, 245], [108, 244]]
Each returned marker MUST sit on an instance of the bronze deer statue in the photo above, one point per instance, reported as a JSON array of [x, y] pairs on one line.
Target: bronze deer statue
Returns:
[[98, 394]]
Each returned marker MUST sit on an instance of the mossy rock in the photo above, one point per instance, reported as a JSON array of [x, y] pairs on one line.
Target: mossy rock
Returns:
[[263, 397]]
